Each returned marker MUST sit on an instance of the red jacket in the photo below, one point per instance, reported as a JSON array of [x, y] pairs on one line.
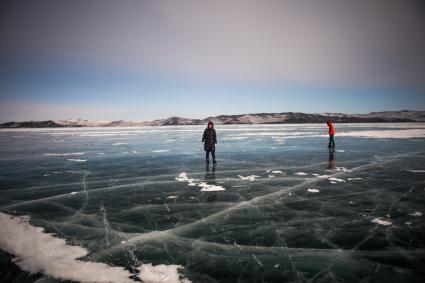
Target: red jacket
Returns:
[[331, 129]]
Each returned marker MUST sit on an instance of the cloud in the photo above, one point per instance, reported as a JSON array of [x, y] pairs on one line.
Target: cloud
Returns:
[[341, 43]]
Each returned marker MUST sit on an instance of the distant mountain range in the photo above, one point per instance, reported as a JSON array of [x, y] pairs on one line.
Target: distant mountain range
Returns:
[[258, 118]]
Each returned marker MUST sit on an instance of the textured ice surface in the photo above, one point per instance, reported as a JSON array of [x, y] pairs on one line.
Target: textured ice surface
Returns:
[[277, 207]]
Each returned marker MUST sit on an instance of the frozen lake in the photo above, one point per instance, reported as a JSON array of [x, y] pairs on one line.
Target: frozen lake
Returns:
[[131, 204]]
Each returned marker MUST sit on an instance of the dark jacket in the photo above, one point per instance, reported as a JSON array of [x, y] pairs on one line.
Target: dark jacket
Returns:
[[209, 139]]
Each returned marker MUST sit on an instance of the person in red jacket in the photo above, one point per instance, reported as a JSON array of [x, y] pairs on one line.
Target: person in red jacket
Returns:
[[331, 134]]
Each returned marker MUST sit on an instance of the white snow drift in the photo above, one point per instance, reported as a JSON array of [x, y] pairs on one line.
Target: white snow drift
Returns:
[[36, 251]]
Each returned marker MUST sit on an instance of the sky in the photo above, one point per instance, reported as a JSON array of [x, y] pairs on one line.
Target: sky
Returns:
[[143, 60]]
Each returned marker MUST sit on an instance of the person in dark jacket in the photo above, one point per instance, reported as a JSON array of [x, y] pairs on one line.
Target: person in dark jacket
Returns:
[[209, 139]]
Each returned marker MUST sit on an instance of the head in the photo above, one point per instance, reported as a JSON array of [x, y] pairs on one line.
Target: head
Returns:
[[329, 122], [210, 125]]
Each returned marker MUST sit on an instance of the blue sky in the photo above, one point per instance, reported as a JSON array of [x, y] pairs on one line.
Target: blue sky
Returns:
[[144, 60]]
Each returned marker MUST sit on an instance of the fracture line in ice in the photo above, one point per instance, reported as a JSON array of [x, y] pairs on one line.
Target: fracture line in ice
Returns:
[[257, 260], [86, 196], [166, 206], [105, 223]]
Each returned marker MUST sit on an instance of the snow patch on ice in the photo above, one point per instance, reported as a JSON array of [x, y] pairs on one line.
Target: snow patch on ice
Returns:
[[36, 251], [249, 178], [65, 154], [160, 150], [416, 213], [161, 273], [73, 193], [300, 173], [336, 180], [120, 143], [416, 171], [277, 172], [210, 188], [313, 190], [381, 221], [182, 177], [339, 169], [321, 176], [76, 160]]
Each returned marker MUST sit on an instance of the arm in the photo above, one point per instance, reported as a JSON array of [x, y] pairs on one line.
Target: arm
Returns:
[[203, 137], [215, 137]]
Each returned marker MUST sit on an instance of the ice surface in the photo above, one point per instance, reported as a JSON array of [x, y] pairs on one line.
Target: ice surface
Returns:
[[279, 206]]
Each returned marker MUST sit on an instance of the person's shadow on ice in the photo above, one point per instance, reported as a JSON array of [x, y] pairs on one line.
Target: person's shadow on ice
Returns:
[[210, 179], [331, 160]]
